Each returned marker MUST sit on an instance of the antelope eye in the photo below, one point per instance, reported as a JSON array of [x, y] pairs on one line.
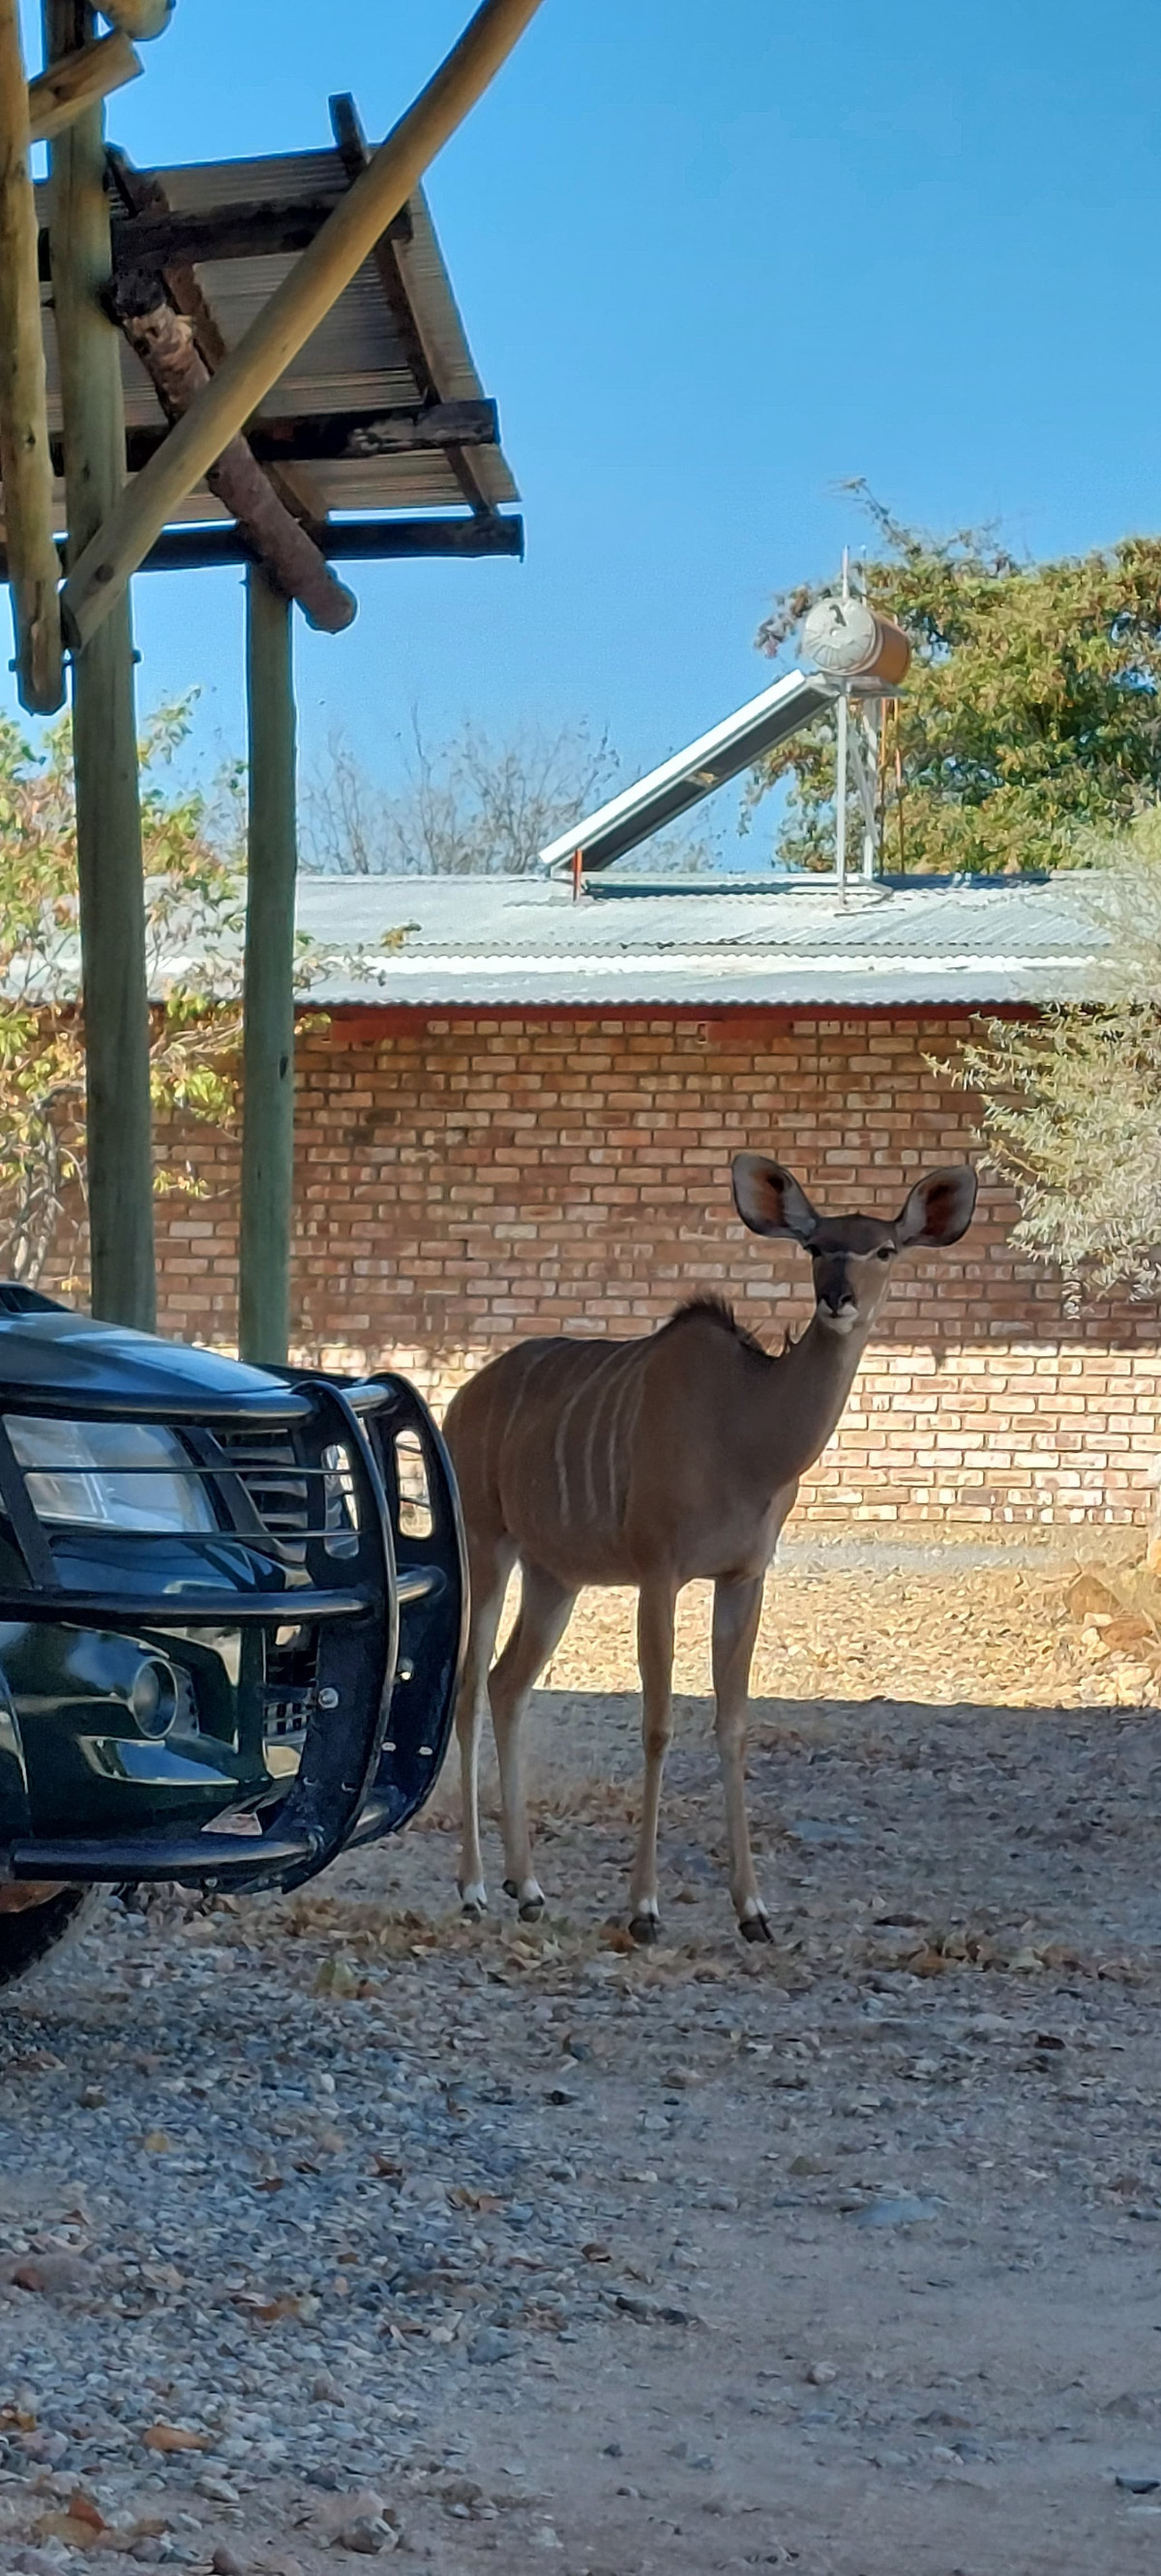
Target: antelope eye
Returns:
[[884, 1252]]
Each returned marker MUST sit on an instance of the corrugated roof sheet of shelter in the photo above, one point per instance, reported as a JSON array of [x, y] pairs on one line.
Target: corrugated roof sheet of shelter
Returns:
[[521, 942], [354, 363]]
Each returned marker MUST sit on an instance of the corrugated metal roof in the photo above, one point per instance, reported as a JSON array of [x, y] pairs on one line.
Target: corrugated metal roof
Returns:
[[507, 942], [354, 362]]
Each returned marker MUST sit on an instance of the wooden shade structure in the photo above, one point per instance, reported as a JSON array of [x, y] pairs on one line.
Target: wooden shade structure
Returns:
[[258, 362]]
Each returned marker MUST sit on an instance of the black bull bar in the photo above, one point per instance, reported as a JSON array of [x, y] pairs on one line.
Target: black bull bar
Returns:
[[391, 1641]]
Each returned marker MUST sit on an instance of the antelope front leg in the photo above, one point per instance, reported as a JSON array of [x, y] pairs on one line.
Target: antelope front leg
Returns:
[[655, 1607], [737, 1610], [545, 1611], [489, 1574]]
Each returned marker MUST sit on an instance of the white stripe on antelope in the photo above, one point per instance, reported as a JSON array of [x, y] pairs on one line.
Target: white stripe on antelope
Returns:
[[657, 1463]]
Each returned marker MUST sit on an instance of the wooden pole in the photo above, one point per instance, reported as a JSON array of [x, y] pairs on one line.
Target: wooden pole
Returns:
[[78, 81], [112, 895], [294, 310], [25, 458], [268, 1042], [139, 18], [164, 342]]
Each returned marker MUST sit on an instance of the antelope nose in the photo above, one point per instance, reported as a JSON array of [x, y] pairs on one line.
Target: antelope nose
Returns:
[[838, 1301]]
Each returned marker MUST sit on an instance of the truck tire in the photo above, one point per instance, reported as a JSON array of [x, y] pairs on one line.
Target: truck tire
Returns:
[[28, 1936]]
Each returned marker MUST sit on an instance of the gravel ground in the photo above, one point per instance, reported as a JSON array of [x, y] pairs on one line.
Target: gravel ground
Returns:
[[329, 2225]]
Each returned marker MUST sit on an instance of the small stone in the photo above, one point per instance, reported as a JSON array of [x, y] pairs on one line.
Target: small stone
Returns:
[[215, 2488], [490, 2344], [367, 2538], [651, 2312], [907, 2211], [224, 2562], [53, 2274], [821, 2374]]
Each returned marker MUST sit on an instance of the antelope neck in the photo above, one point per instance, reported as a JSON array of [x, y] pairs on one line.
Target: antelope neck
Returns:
[[805, 1393]]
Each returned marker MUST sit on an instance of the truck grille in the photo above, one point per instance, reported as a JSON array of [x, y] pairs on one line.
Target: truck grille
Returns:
[[291, 1683], [265, 1464]]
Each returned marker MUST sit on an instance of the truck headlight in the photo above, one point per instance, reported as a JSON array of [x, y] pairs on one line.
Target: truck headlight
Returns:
[[109, 1475]]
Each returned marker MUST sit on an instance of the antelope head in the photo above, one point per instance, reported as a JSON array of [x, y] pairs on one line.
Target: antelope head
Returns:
[[852, 1256]]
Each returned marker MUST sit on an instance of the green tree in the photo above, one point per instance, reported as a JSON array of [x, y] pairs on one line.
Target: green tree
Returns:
[[1030, 716], [195, 906], [1071, 1101]]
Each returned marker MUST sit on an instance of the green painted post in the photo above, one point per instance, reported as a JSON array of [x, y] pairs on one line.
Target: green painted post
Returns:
[[112, 892], [268, 1041]]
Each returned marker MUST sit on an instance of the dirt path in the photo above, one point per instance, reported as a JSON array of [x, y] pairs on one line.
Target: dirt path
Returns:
[[842, 2257]]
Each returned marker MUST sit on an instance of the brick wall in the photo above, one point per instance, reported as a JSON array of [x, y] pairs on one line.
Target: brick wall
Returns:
[[466, 1180]]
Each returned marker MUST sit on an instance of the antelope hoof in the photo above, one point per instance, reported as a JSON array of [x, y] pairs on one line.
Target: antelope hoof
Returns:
[[528, 1895], [473, 1900], [644, 1929], [754, 1927]]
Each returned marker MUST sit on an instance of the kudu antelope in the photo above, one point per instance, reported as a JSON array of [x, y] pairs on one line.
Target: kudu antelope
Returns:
[[656, 1462]]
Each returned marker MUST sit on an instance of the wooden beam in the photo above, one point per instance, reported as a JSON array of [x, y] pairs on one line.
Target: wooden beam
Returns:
[[197, 549], [294, 311], [164, 342], [142, 192], [112, 893], [268, 981], [25, 457], [166, 238], [326, 438], [355, 153], [81, 79], [267, 229]]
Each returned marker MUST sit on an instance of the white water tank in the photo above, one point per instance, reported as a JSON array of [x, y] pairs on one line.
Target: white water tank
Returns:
[[850, 641]]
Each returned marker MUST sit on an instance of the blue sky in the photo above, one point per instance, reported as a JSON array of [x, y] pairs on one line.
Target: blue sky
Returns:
[[711, 263]]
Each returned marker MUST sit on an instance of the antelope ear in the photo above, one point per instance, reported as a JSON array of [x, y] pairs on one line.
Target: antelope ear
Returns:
[[938, 1210], [769, 1200]]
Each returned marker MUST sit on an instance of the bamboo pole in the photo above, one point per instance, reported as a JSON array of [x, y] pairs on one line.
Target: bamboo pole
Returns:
[[80, 79], [25, 458], [295, 310], [112, 894], [268, 1040]]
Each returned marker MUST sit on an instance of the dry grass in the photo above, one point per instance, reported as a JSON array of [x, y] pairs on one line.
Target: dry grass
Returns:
[[1009, 1636]]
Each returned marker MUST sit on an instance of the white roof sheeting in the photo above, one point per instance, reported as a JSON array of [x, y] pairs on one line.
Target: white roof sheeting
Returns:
[[511, 942]]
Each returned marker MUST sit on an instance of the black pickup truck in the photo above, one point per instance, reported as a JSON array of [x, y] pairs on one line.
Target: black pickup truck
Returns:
[[232, 1604]]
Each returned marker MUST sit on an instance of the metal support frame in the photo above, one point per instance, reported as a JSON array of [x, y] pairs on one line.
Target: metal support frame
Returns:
[[112, 891], [856, 758], [268, 1005]]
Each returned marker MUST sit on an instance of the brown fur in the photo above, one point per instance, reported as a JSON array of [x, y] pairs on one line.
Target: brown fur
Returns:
[[656, 1462]]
